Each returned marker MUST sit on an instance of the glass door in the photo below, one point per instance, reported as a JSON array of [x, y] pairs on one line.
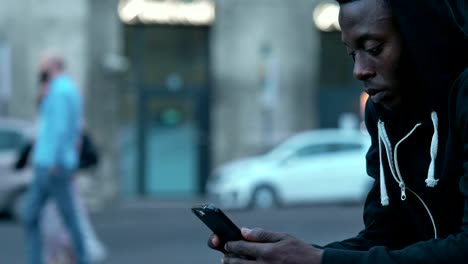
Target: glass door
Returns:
[[170, 146]]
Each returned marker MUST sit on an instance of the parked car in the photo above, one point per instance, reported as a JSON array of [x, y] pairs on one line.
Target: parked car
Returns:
[[315, 166], [14, 134]]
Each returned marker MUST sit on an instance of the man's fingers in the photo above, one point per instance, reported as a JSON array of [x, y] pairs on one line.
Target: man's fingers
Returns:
[[244, 248], [235, 260], [215, 243], [260, 235]]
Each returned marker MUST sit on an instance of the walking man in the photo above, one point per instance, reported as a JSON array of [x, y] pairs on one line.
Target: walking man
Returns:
[[55, 158]]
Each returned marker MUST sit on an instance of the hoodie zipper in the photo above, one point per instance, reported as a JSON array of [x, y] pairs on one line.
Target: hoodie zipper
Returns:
[[395, 169], [392, 157]]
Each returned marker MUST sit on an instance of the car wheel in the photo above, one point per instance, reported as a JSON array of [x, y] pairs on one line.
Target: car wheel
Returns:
[[264, 197], [18, 204]]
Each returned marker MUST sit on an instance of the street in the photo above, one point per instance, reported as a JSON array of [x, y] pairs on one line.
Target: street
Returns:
[[167, 232]]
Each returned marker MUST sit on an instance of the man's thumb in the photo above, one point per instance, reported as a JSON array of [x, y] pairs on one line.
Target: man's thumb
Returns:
[[260, 235]]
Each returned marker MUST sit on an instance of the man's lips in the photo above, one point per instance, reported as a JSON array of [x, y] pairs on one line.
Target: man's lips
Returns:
[[376, 95], [372, 91]]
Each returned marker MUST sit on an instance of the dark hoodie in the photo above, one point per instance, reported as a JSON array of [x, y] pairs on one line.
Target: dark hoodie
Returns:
[[417, 210]]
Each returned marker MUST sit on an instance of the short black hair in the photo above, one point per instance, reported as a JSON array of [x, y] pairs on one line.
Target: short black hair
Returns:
[[342, 2]]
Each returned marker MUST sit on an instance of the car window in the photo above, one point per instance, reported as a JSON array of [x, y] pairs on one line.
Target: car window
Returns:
[[320, 149], [345, 147], [10, 140], [313, 150]]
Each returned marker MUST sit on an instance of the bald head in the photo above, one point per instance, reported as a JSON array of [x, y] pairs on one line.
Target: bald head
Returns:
[[51, 65], [57, 62], [52, 60]]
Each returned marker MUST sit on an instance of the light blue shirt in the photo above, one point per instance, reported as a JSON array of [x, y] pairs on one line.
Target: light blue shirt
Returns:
[[59, 125]]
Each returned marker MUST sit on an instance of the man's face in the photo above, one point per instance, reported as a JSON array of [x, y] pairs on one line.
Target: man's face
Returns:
[[44, 72], [374, 44]]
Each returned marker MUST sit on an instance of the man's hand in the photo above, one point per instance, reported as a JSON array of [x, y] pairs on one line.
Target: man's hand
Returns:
[[267, 248], [215, 243]]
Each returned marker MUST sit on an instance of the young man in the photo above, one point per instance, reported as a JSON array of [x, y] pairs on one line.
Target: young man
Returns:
[[410, 57], [55, 158]]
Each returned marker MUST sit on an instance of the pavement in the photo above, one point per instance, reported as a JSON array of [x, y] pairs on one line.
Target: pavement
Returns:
[[165, 231]]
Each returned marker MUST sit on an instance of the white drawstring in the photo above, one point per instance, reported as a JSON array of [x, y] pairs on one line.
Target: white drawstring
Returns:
[[393, 163], [388, 147], [431, 181], [383, 187]]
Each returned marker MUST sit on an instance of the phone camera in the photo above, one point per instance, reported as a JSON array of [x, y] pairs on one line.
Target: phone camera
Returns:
[[200, 213]]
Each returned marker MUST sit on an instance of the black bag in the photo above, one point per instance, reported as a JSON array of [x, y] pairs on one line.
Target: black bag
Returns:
[[89, 156], [23, 156]]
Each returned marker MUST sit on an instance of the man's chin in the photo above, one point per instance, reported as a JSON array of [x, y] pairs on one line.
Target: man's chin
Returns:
[[389, 107], [394, 105]]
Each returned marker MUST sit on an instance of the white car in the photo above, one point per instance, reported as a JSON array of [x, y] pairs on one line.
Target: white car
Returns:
[[14, 134], [315, 166]]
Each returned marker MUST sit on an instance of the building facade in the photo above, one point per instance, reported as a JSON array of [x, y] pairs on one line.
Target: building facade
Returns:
[[171, 95]]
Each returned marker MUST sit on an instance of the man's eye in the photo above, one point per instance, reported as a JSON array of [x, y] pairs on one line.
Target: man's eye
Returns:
[[352, 54], [375, 51]]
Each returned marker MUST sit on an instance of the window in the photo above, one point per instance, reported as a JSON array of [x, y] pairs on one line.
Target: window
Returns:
[[320, 149], [345, 147], [313, 150]]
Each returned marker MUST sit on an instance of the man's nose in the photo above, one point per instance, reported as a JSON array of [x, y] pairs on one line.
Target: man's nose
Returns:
[[362, 69]]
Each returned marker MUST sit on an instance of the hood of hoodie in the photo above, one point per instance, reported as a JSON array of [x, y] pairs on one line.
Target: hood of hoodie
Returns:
[[435, 53], [435, 50], [459, 12]]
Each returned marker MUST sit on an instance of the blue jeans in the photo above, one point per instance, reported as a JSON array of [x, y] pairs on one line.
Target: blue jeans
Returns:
[[58, 187]]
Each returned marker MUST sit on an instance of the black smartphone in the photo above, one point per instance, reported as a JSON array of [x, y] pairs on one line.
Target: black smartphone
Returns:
[[218, 222]]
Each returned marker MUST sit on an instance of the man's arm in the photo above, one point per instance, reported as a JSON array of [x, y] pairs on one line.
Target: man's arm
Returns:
[[58, 124]]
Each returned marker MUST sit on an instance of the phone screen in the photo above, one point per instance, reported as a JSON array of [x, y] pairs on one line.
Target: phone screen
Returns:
[[218, 222]]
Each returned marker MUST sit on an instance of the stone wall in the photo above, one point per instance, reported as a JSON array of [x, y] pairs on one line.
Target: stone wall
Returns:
[[244, 28]]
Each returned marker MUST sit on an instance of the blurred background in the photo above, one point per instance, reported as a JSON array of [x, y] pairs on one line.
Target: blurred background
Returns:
[[249, 104]]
